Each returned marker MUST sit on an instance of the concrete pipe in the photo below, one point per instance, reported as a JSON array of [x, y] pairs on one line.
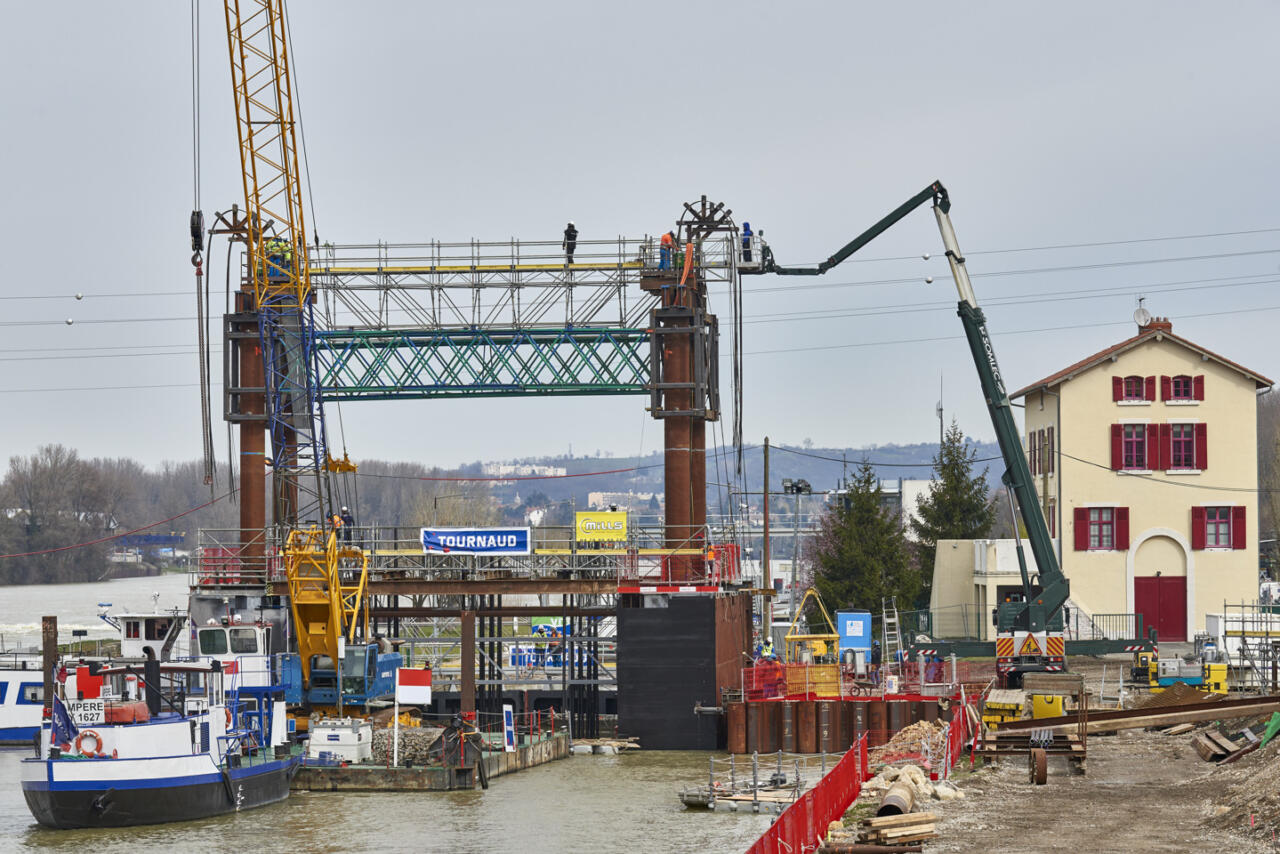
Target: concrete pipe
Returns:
[[899, 800]]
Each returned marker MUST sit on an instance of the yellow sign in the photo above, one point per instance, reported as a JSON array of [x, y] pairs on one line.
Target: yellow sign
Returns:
[[601, 527], [1029, 646]]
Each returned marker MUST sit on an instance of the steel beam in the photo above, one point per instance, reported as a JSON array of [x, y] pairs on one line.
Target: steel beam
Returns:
[[496, 587], [504, 611]]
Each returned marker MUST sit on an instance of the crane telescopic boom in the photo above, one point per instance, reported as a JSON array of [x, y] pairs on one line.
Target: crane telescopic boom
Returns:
[[1040, 611]]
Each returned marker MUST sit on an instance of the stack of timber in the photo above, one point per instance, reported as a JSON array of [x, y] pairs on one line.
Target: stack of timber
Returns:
[[1213, 746], [903, 829]]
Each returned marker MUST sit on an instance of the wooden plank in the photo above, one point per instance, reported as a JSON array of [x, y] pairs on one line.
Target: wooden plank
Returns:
[[1227, 745], [896, 820], [1179, 729], [1209, 750]]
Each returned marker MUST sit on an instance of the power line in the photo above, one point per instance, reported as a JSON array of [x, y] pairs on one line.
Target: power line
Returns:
[[842, 460]]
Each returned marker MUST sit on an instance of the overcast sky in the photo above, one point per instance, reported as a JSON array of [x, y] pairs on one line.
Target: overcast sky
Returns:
[[1098, 123]]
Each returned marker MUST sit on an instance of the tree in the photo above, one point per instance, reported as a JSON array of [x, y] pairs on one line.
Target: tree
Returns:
[[860, 553], [956, 508]]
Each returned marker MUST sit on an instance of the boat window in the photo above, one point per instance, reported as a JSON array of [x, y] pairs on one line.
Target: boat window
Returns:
[[131, 628], [213, 642], [244, 640], [157, 629], [31, 693]]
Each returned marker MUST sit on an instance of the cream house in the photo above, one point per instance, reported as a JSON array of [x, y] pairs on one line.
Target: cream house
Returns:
[[1145, 460]]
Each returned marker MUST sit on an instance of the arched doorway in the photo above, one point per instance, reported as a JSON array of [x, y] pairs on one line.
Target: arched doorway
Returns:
[[1160, 586]]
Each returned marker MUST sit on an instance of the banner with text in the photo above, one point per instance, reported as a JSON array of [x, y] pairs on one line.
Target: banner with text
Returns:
[[601, 527], [476, 541]]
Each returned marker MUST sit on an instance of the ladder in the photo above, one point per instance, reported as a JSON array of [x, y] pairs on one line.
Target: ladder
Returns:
[[891, 634]]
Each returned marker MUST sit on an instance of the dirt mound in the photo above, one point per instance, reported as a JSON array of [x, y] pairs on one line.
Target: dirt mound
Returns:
[[921, 740]]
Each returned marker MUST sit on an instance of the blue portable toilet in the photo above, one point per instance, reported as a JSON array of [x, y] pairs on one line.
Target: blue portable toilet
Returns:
[[855, 629]]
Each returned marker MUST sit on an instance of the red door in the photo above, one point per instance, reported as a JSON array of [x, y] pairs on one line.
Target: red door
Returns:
[[1162, 602]]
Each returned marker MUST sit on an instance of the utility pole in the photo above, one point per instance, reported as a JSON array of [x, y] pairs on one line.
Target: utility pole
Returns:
[[796, 487], [768, 573]]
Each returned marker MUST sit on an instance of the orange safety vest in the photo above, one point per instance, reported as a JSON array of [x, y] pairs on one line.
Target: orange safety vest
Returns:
[[667, 242]]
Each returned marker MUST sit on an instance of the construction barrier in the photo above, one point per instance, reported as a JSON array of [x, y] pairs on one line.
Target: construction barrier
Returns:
[[802, 825]]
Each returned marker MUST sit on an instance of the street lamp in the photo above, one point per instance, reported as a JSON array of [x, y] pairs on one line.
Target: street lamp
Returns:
[[796, 487]]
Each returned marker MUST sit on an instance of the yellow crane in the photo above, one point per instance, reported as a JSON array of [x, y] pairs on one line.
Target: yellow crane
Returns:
[[327, 578]]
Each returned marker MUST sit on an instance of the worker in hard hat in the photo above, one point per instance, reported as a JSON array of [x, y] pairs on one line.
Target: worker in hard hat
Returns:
[[746, 243], [570, 241], [348, 522], [766, 649]]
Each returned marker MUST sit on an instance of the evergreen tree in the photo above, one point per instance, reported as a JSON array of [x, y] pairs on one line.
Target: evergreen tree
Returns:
[[860, 554], [956, 508]]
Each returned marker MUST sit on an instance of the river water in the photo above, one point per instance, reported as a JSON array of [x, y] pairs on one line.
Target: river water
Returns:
[[579, 805]]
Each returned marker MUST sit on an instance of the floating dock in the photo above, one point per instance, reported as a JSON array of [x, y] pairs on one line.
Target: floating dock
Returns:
[[437, 778]]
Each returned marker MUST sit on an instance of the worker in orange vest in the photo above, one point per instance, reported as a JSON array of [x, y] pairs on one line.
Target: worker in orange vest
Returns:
[[668, 246]]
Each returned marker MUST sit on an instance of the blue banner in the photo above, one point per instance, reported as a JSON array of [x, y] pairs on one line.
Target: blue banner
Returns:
[[64, 729], [476, 541]]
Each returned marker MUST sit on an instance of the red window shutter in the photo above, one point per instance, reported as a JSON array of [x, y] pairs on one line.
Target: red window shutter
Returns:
[[1166, 388], [1197, 528], [1033, 450], [1049, 454], [1197, 387], [1117, 447], [1150, 389], [1117, 388], [1153, 446], [1081, 517], [1122, 527], [1202, 446], [1238, 540], [1166, 446]]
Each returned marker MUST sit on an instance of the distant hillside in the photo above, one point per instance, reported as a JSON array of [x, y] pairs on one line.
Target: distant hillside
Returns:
[[822, 467]]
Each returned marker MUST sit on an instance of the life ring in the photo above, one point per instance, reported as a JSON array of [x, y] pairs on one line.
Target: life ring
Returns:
[[227, 712], [97, 744]]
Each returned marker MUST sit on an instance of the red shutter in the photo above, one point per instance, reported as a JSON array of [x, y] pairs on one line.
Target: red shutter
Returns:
[[1197, 528], [1117, 388], [1238, 539], [1166, 446], [1197, 387], [1202, 446], [1153, 446], [1081, 516], [1049, 455], [1150, 390], [1122, 527], [1033, 447], [1166, 388], [1117, 447]]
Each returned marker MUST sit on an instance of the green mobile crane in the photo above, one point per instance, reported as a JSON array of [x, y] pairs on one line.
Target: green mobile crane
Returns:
[[1029, 628]]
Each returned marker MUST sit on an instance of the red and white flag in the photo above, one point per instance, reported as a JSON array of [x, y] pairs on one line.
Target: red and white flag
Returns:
[[413, 686]]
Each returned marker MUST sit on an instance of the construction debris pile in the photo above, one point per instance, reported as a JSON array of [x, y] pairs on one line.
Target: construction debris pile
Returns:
[[1177, 694], [924, 740], [916, 778], [1250, 800], [415, 744]]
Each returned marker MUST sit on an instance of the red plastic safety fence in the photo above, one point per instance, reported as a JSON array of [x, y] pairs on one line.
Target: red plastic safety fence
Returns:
[[958, 733], [802, 825]]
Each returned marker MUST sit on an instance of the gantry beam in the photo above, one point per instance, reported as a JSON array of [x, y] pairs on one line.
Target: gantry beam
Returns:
[[407, 364], [497, 587], [505, 611]]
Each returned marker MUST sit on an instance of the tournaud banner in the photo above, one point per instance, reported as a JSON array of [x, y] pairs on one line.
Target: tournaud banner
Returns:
[[476, 541], [595, 526]]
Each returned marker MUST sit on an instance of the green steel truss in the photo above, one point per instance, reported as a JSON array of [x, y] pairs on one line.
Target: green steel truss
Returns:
[[398, 364]]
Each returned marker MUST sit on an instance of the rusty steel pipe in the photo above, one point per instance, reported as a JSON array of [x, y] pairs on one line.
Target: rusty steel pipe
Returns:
[[899, 800]]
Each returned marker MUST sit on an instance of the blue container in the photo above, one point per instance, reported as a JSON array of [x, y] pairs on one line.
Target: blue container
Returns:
[[854, 628]]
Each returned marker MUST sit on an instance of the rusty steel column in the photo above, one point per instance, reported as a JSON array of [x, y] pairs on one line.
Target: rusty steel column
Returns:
[[253, 443], [49, 656], [469, 664]]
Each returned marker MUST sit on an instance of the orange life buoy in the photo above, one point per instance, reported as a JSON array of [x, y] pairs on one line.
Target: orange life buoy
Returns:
[[97, 744], [228, 714]]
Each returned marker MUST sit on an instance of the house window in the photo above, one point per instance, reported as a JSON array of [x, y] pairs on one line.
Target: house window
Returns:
[[1182, 446], [1135, 446], [1102, 528], [1217, 527], [1181, 388], [1134, 389]]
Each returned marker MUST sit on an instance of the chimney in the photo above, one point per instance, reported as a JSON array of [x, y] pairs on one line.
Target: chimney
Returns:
[[1157, 323]]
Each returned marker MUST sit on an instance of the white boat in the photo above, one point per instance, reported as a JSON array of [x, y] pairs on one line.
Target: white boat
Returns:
[[147, 742], [21, 696]]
